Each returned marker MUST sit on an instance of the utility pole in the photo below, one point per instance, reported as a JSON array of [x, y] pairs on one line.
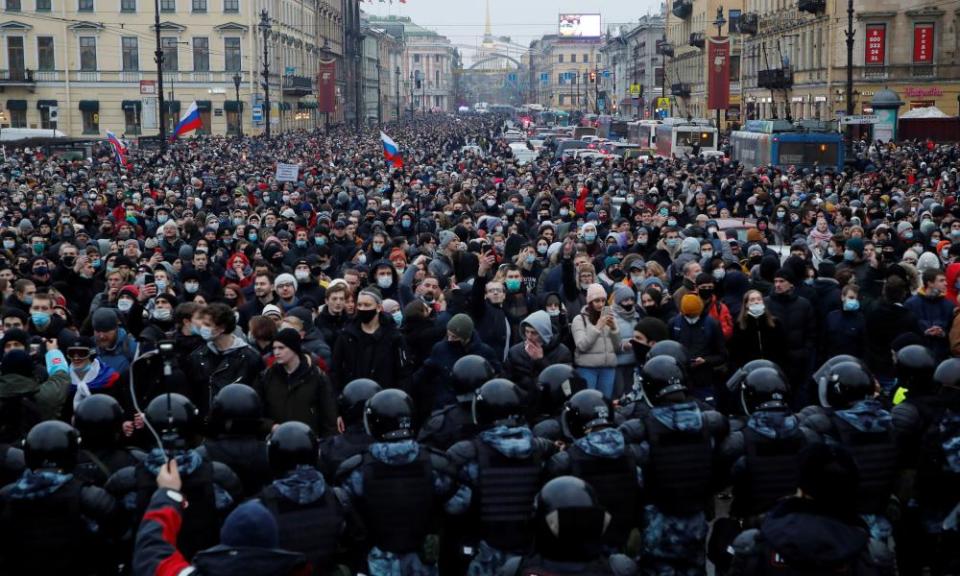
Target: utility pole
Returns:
[[158, 56], [265, 33], [850, 33], [398, 92], [719, 22]]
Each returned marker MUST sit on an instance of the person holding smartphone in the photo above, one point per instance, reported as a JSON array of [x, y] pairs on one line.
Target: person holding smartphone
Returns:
[[597, 340]]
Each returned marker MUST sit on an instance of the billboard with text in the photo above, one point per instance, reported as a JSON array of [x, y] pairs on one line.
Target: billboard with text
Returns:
[[579, 25]]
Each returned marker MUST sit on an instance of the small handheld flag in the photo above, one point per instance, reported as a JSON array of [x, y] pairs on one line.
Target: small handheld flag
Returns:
[[391, 152], [189, 122], [119, 150]]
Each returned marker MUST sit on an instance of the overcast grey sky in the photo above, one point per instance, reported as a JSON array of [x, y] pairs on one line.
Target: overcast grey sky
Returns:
[[522, 20]]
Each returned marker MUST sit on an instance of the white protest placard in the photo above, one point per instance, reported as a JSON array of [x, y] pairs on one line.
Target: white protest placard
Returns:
[[287, 172]]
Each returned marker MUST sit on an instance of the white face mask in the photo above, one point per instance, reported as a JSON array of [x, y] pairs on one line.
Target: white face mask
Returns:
[[719, 273], [301, 275], [691, 320], [161, 314], [384, 281], [124, 305], [756, 310]]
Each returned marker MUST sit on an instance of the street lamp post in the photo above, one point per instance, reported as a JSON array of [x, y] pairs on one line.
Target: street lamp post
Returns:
[[413, 78], [719, 23], [265, 33], [158, 56], [236, 86], [397, 71], [849, 34], [325, 51]]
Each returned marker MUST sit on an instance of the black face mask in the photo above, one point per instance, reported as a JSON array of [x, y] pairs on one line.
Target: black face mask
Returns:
[[640, 352], [365, 316], [616, 275], [627, 307], [706, 294]]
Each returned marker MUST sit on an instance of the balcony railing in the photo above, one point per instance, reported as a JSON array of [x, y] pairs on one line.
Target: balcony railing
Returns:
[[134, 76], [749, 23], [17, 77], [812, 6], [681, 89], [682, 8], [776, 79], [697, 39]]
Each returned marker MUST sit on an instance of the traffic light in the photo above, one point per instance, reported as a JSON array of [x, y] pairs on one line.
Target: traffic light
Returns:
[[593, 77]]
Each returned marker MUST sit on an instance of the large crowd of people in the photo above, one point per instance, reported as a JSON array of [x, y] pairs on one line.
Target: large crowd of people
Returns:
[[472, 365]]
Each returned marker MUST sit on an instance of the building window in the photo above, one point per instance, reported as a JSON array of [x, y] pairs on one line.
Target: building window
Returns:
[[199, 5], [44, 6], [45, 122], [231, 5], [416, 58], [13, 5], [88, 53], [18, 118], [231, 54], [573, 58], [128, 5], [45, 53], [168, 5], [131, 53], [201, 54], [735, 68], [436, 57], [560, 58], [171, 62], [85, 6], [131, 120], [436, 78], [586, 58], [91, 121]]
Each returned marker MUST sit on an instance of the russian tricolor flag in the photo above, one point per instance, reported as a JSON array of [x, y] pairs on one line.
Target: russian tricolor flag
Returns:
[[119, 150], [189, 122], [391, 151]]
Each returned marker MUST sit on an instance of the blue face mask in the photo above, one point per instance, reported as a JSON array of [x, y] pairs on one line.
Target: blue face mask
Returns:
[[206, 333], [319, 240], [671, 222], [406, 224], [252, 237], [301, 243], [589, 237], [849, 255], [531, 258], [398, 317], [512, 284], [40, 319], [673, 242], [851, 305]]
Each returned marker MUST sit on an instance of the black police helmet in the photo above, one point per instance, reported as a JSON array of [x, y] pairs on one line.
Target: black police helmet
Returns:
[[469, 373], [99, 420], [556, 384], [174, 416], [827, 366], [51, 445], [764, 389], [586, 410], [915, 368], [670, 348], [498, 402], [661, 376], [570, 521], [354, 397], [236, 408], [846, 384], [948, 373], [292, 444], [388, 416], [735, 381]]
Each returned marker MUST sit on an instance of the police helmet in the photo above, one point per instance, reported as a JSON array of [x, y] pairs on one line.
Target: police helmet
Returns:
[[173, 416], [570, 521], [354, 398], [388, 416], [556, 384], [661, 376], [915, 368], [51, 445], [99, 420], [827, 366], [670, 348], [846, 384], [236, 408], [764, 389], [586, 410], [498, 402], [947, 373], [469, 373], [292, 444], [735, 381]]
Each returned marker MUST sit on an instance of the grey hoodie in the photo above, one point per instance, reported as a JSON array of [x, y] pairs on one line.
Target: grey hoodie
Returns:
[[540, 321]]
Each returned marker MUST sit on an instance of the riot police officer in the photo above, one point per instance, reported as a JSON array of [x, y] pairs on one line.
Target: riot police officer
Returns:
[[311, 515], [210, 487], [851, 415], [234, 436], [605, 457], [569, 527], [679, 468], [11, 463], [502, 464], [52, 523], [335, 450], [396, 486], [556, 384], [99, 421], [632, 404], [452, 423]]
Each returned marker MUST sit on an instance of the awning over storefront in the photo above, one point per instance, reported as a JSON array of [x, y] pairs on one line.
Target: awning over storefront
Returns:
[[135, 104], [308, 105], [16, 104], [90, 105], [232, 106], [204, 105], [46, 104]]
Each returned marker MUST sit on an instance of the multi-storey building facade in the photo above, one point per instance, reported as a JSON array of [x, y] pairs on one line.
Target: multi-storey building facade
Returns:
[[87, 66], [427, 65], [563, 72], [632, 61], [689, 24], [381, 56], [796, 63]]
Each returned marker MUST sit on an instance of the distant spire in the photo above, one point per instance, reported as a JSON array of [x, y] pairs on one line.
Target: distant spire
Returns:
[[488, 28]]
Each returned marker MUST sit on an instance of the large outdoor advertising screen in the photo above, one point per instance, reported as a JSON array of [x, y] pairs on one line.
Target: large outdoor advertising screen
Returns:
[[579, 25]]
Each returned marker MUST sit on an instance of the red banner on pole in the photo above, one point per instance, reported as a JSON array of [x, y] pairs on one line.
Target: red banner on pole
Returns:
[[923, 43], [327, 86], [718, 79], [875, 48]]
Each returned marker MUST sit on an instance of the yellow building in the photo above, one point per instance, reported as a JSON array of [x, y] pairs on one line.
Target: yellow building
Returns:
[[910, 48], [87, 66], [564, 71], [689, 25]]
